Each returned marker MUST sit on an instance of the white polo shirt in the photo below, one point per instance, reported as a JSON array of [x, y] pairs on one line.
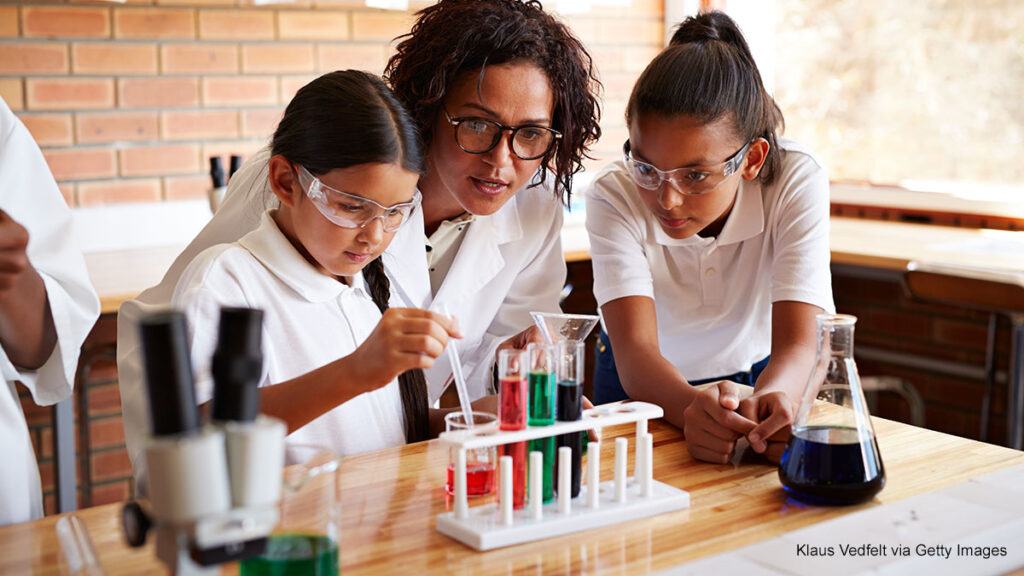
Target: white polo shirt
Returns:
[[309, 320], [713, 296]]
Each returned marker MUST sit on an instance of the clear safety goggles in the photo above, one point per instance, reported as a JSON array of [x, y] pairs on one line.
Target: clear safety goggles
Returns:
[[351, 211], [692, 181]]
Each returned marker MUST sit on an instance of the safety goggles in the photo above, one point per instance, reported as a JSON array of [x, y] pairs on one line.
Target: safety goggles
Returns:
[[351, 211], [692, 181]]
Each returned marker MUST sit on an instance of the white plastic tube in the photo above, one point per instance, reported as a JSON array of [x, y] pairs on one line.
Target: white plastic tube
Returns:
[[536, 485], [621, 453], [505, 490], [564, 480], [594, 474]]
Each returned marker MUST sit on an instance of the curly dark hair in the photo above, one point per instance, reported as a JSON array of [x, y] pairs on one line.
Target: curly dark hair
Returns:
[[457, 36]]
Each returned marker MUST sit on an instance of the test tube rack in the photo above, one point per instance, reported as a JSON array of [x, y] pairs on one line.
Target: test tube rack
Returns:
[[621, 499]]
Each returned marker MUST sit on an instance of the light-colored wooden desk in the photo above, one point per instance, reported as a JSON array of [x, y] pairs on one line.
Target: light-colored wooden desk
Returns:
[[390, 500]]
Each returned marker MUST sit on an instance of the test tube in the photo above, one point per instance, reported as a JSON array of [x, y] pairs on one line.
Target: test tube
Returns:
[[541, 358], [513, 396], [570, 354]]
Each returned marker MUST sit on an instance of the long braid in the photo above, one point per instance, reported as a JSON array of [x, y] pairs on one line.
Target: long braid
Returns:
[[412, 384]]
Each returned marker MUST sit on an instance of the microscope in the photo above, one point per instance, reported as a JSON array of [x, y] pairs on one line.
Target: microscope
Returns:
[[212, 490]]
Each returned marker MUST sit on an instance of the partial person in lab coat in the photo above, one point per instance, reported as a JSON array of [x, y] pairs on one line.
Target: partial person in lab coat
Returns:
[[341, 368], [47, 307], [505, 99], [709, 241]]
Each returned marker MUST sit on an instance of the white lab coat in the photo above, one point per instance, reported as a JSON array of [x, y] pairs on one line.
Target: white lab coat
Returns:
[[509, 264], [30, 196]]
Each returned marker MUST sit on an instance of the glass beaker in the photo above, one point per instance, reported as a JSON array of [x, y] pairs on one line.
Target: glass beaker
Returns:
[[305, 541], [480, 462], [832, 455]]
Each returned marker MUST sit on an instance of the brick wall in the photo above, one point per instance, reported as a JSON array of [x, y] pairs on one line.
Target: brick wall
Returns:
[[127, 102], [889, 320]]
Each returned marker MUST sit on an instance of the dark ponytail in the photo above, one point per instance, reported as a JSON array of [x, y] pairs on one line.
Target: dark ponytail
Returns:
[[412, 384], [708, 72], [343, 119]]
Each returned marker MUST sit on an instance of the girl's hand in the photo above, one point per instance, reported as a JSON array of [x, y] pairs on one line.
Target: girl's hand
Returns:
[[712, 425], [774, 413], [521, 341], [404, 339]]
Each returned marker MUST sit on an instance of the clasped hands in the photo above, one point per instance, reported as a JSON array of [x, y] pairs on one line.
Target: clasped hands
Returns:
[[720, 415]]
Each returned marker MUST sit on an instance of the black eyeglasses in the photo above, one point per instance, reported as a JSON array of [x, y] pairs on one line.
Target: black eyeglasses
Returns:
[[480, 135]]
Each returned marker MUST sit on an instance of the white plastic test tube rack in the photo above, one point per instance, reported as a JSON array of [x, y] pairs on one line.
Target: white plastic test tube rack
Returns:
[[599, 504]]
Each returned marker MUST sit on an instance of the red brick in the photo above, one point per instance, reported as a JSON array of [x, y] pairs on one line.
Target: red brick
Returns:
[[236, 24], [277, 58], [118, 191], [158, 92], [370, 57], [260, 123], [115, 127], [186, 187], [110, 465], [106, 433], [963, 334], [81, 163], [113, 58], [239, 91], [20, 58], [35, 415], [46, 474], [159, 160], [198, 58], [638, 57], [195, 125], [154, 23], [65, 22], [313, 25], [49, 129], [102, 370], [104, 399], [13, 93], [68, 192], [291, 84], [109, 493], [608, 60], [9, 21], [69, 93], [202, 3], [646, 31], [383, 25]]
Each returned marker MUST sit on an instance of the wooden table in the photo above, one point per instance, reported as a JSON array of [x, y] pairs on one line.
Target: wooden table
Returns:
[[391, 499]]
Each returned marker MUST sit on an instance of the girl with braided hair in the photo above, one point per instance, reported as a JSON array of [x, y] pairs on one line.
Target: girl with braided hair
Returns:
[[341, 368]]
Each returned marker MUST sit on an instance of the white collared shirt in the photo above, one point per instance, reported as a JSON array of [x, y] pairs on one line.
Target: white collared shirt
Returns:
[[713, 296], [309, 320]]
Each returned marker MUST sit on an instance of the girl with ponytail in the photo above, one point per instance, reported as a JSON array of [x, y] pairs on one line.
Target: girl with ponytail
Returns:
[[341, 368], [709, 241]]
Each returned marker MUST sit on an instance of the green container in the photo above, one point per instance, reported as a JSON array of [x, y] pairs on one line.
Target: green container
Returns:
[[294, 555]]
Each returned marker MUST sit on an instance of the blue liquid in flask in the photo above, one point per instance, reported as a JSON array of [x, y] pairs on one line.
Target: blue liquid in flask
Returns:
[[831, 465]]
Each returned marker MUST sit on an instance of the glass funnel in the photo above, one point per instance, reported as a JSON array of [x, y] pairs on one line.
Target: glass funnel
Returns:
[[557, 327], [832, 456]]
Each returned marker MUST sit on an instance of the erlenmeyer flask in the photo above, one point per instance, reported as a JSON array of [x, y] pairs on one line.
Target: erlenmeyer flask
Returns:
[[832, 456]]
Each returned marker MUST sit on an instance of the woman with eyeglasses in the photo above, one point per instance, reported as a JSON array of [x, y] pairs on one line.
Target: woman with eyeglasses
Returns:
[[709, 241], [341, 368], [505, 100]]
